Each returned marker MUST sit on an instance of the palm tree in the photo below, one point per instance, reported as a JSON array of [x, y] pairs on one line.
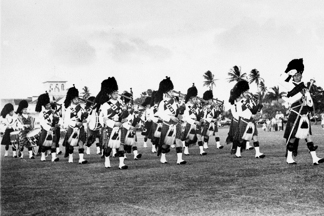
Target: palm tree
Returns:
[[86, 92], [255, 77], [276, 94], [236, 75], [209, 80]]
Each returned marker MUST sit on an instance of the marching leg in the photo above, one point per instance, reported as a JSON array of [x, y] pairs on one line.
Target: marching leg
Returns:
[[290, 149], [201, 148], [258, 154], [180, 161], [186, 148], [218, 145], [145, 142], [81, 154], [14, 152], [238, 149], [136, 154], [248, 146], [30, 151], [163, 158], [312, 150], [206, 139], [70, 154], [54, 158]]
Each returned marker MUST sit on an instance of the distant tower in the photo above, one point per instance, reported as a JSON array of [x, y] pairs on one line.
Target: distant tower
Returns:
[[56, 87]]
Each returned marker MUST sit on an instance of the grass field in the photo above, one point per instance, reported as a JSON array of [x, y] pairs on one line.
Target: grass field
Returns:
[[215, 184]]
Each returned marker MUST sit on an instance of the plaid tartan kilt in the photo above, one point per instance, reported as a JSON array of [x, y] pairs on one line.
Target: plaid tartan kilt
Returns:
[[215, 126], [147, 129], [92, 135], [185, 130], [23, 141], [82, 135], [291, 120], [205, 129], [104, 136], [6, 137], [240, 129], [164, 132]]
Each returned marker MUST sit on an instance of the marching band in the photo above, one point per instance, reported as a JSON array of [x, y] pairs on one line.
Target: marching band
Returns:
[[110, 121]]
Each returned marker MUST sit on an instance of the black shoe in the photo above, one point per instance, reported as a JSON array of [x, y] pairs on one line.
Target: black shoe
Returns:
[[56, 159], [32, 157], [182, 162], [60, 152], [138, 156], [261, 156], [220, 147], [204, 153], [83, 162], [123, 167], [238, 156]]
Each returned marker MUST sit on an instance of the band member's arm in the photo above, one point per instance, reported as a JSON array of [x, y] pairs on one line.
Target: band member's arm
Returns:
[[103, 116], [68, 121], [43, 122], [187, 117], [162, 113], [243, 111], [154, 117]]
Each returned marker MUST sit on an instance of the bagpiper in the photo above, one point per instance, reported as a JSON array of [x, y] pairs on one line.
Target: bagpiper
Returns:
[[46, 117], [171, 129], [74, 118], [109, 117], [298, 124]]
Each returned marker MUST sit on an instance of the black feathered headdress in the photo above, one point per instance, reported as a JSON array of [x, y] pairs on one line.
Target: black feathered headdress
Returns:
[[165, 85], [22, 105], [42, 100], [147, 101], [295, 64], [191, 92], [208, 95], [108, 86], [70, 95], [6, 110], [240, 87]]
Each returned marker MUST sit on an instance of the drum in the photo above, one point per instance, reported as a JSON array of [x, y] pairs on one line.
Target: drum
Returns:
[[14, 138], [33, 137], [93, 122]]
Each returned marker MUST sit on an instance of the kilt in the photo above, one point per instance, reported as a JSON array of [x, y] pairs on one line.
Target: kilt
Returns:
[[291, 119], [123, 132], [23, 141], [6, 137], [198, 130], [165, 129], [233, 129], [148, 128], [242, 124], [105, 132], [205, 128], [91, 136], [82, 135], [215, 126], [185, 132]]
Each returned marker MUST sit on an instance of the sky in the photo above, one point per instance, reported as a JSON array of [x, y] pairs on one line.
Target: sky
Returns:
[[140, 42]]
